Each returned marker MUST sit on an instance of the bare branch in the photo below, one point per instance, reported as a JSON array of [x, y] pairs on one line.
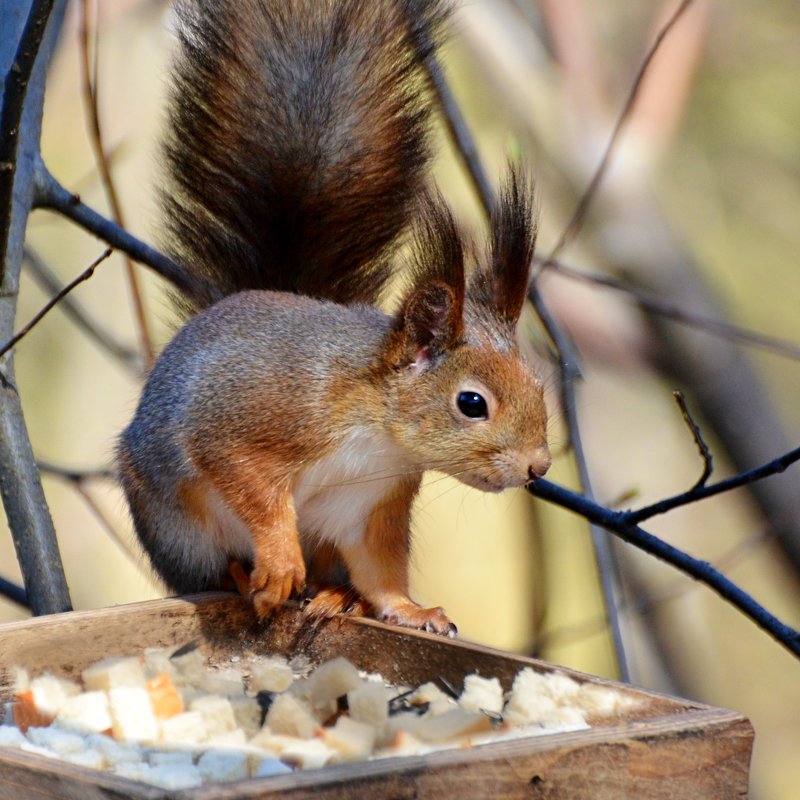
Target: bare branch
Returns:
[[51, 194], [705, 453], [581, 209], [15, 593], [45, 277], [773, 467], [655, 305], [89, 75], [85, 275], [623, 524], [28, 35]]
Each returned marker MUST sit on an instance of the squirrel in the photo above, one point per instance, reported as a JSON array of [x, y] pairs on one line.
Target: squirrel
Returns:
[[282, 435]]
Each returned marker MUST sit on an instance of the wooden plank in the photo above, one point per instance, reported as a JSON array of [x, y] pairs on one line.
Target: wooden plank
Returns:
[[665, 748]]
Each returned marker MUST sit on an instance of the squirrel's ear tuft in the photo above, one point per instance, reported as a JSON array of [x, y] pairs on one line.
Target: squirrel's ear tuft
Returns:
[[500, 284], [431, 318]]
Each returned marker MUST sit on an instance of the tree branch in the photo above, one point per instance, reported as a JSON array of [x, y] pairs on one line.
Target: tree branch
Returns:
[[27, 38], [51, 194], [623, 525], [26, 329]]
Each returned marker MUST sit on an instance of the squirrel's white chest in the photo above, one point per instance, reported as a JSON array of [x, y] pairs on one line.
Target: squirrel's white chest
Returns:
[[335, 496]]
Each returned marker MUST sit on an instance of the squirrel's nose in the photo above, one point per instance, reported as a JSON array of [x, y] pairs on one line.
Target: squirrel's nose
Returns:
[[539, 462]]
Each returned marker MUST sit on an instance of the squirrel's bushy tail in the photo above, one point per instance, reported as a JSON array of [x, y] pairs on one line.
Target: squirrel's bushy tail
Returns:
[[296, 146]]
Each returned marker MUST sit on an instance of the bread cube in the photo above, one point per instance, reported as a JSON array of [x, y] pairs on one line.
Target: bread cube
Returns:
[[168, 776], [60, 742], [369, 702], [271, 675], [132, 716], [266, 767], [216, 712], [481, 694], [87, 712], [86, 758], [289, 715], [248, 714], [331, 680], [454, 725], [113, 672], [221, 765], [186, 728], [307, 753], [164, 696], [350, 739], [49, 692]]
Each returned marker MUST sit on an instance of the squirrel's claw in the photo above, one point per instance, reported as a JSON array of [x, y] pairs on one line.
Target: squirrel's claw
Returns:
[[271, 587], [433, 620]]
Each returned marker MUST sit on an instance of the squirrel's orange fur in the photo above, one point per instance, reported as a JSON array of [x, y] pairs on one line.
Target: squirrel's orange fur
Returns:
[[282, 435]]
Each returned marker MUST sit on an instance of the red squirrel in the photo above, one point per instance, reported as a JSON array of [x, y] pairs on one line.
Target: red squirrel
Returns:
[[282, 435]]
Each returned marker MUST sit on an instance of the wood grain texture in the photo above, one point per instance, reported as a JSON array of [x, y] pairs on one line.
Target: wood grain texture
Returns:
[[663, 748]]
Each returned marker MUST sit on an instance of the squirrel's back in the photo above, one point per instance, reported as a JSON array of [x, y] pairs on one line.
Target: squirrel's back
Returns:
[[297, 143]]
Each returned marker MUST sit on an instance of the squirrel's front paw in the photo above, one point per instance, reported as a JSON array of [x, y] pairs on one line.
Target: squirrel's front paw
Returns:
[[433, 620], [272, 583]]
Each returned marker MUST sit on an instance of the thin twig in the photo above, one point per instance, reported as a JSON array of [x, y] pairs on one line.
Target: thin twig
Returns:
[[653, 304], [45, 277], [575, 223], [773, 467], [705, 453], [460, 134], [76, 475], [89, 73], [623, 525], [85, 275]]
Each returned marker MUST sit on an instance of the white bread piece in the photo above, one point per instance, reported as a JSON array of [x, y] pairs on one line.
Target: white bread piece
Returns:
[[351, 740], [429, 693], [174, 758], [223, 765], [113, 672], [132, 716], [186, 728], [11, 736], [217, 714], [444, 705], [481, 694], [20, 679], [331, 680], [50, 692], [57, 740], [157, 660], [167, 776], [91, 758], [27, 747], [266, 767], [190, 669], [403, 744], [454, 725], [602, 701], [272, 743], [113, 751], [271, 675], [230, 740], [369, 702], [248, 713], [87, 712], [307, 753], [291, 716]]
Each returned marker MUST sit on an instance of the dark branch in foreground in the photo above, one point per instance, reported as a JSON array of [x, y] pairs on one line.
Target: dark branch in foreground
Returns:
[[624, 524], [15, 593]]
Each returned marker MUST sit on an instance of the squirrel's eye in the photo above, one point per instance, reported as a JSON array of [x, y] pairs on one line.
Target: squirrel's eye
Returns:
[[472, 405]]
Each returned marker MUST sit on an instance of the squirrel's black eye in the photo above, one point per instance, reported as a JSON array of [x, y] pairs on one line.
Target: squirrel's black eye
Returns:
[[472, 405]]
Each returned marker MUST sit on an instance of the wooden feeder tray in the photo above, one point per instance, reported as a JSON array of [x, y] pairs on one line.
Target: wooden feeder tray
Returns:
[[663, 747]]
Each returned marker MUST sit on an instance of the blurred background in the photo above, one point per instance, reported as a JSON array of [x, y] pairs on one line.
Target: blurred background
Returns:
[[698, 216]]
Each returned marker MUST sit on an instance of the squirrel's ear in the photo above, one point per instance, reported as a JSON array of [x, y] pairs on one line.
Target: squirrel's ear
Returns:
[[500, 284], [431, 319]]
